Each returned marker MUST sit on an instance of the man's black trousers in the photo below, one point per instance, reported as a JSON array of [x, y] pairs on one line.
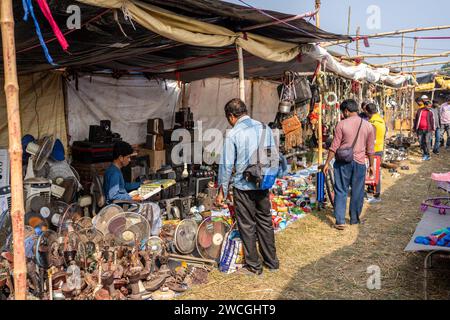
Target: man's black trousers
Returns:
[[255, 223]]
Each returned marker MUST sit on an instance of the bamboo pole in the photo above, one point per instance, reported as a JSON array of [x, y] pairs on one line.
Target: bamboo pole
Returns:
[[397, 55], [348, 26], [427, 64], [412, 94], [412, 113], [272, 23], [241, 74], [403, 51], [431, 71], [391, 33], [319, 122], [15, 147], [406, 61], [358, 31], [317, 7]]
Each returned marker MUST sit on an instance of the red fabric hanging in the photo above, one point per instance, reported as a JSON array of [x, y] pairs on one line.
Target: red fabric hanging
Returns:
[[48, 15]]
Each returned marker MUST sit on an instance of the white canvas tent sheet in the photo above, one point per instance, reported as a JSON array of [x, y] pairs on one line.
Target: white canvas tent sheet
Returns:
[[128, 102], [41, 107], [431, 222], [207, 99], [362, 72]]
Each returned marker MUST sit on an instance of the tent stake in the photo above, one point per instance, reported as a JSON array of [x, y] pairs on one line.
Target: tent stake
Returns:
[[15, 147]]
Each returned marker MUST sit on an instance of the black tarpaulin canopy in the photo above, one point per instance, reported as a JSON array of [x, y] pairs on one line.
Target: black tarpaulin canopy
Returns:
[[101, 45]]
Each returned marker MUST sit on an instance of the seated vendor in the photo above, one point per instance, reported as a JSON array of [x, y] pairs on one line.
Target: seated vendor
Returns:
[[114, 185]]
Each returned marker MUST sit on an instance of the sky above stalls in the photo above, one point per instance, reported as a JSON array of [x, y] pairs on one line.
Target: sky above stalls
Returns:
[[376, 16]]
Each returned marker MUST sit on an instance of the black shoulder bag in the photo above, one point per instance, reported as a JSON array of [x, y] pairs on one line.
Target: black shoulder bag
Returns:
[[254, 172]]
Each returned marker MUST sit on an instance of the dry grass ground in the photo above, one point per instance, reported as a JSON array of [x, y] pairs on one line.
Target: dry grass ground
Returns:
[[318, 262]]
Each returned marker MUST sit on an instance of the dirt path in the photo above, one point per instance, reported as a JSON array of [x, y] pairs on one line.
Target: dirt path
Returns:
[[318, 262]]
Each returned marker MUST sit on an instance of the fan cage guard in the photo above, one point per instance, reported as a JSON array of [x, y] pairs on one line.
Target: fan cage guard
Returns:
[[104, 214], [185, 249], [204, 226], [124, 228], [46, 147], [155, 245]]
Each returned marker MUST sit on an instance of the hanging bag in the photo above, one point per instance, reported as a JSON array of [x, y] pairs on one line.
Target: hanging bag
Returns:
[[262, 175]]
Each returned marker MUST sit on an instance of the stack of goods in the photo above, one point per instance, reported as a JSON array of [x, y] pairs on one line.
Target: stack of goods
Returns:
[[155, 134], [119, 255], [291, 199], [440, 238]]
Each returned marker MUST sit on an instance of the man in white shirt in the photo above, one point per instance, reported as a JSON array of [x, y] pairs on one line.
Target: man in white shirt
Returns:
[[444, 111]]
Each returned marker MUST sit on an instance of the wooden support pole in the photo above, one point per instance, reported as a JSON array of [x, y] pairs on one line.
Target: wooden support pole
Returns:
[[403, 51], [241, 74], [432, 71], [358, 32], [317, 6], [348, 26], [413, 94], [391, 33], [412, 112], [396, 55], [15, 147], [428, 64], [383, 103], [319, 122], [390, 64]]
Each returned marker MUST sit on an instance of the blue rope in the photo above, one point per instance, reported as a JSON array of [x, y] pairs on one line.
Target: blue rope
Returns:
[[28, 9]]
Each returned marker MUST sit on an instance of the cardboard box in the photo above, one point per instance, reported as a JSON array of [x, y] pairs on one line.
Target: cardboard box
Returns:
[[156, 158], [4, 168]]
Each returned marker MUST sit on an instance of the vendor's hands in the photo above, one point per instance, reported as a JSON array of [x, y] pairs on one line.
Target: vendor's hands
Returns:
[[326, 168], [230, 197], [371, 172], [219, 199], [137, 198]]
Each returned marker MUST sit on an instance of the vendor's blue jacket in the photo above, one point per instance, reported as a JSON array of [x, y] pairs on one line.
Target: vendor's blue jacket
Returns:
[[114, 185]]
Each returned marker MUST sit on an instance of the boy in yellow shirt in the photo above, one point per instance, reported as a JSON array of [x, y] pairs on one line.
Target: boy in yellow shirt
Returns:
[[380, 134]]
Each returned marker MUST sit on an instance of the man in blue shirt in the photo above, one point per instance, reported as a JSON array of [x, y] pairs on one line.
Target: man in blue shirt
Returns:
[[252, 206], [114, 185]]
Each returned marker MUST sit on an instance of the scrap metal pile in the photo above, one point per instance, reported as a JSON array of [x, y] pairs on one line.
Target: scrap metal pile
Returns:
[[116, 255], [397, 148]]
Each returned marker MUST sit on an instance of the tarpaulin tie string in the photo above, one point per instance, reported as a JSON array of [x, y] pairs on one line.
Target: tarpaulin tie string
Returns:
[[128, 16], [48, 15], [116, 18], [28, 10], [364, 38]]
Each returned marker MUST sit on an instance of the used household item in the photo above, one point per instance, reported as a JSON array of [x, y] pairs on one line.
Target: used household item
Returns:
[[102, 133], [156, 158], [155, 126], [40, 151], [155, 142], [4, 168], [184, 118], [92, 152]]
